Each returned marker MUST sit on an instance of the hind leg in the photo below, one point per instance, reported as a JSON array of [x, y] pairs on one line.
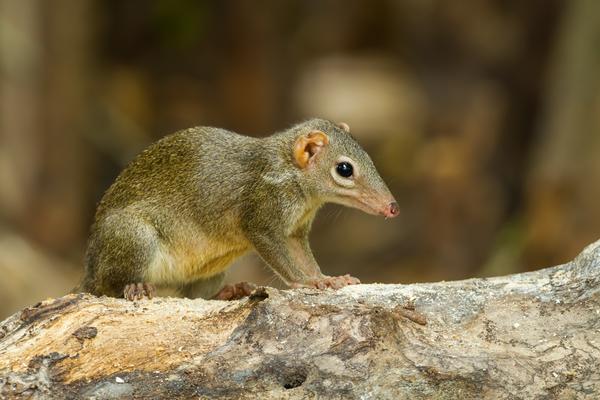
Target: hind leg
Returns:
[[119, 253]]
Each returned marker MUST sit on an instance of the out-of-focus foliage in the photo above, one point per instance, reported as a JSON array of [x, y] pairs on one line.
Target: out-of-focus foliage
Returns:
[[481, 115]]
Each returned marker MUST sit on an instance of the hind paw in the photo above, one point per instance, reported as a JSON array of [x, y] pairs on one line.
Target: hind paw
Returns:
[[137, 291], [235, 292]]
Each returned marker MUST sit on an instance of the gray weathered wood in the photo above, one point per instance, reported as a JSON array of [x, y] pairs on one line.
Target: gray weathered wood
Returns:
[[531, 335]]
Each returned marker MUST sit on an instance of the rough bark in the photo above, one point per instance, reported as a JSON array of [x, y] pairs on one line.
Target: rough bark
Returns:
[[531, 335]]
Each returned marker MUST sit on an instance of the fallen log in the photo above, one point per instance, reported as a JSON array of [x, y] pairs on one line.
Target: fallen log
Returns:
[[530, 335]]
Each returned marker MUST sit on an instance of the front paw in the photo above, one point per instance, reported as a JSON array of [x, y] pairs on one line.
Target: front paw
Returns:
[[328, 282]]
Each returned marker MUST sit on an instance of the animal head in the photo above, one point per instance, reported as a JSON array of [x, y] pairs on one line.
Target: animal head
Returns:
[[339, 170]]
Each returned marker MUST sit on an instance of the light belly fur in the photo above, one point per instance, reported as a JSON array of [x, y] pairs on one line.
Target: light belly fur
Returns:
[[192, 257]]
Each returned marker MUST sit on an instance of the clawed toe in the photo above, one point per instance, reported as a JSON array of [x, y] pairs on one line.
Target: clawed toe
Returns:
[[137, 291]]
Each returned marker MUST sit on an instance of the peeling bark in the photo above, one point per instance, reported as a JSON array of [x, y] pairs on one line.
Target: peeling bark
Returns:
[[531, 335]]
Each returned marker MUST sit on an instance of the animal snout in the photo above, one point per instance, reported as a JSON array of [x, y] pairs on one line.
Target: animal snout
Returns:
[[393, 210]]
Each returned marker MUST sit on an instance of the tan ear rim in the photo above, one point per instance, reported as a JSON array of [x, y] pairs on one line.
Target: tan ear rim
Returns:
[[306, 147], [344, 126]]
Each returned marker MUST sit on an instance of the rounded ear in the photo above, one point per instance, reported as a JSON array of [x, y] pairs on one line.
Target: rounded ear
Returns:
[[344, 126], [307, 146]]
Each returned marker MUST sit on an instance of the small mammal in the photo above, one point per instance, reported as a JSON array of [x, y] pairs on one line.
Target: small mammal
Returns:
[[196, 200]]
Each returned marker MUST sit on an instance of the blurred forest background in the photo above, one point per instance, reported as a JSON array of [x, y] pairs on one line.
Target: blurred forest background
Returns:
[[483, 116]]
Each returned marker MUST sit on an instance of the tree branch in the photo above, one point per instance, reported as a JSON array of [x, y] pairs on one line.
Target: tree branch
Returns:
[[531, 335]]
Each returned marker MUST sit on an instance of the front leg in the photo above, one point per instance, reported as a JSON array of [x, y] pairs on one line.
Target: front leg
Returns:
[[292, 259]]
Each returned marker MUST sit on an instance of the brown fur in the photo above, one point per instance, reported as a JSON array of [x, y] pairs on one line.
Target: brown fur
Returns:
[[194, 201]]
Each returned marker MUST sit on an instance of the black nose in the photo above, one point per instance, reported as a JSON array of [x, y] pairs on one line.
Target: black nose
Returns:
[[394, 209]]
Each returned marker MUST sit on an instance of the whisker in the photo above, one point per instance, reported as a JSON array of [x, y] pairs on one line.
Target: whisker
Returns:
[[338, 212]]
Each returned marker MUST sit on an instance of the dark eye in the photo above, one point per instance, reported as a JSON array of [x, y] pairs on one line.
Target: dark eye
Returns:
[[344, 169]]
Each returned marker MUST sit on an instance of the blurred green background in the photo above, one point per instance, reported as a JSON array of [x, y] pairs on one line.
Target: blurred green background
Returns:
[[483, 116]]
